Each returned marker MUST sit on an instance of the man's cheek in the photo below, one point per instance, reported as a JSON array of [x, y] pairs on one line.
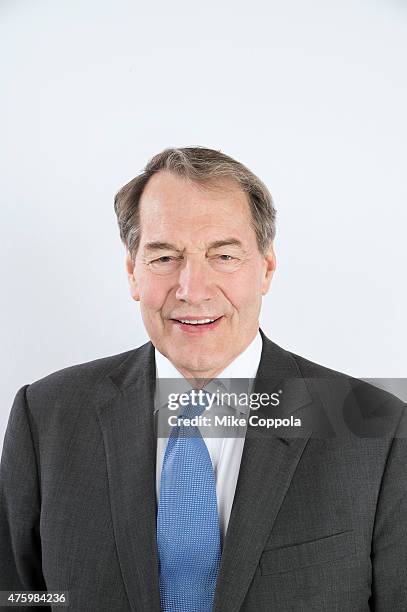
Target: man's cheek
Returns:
[[152, 294], [238, 293], [151, 303]]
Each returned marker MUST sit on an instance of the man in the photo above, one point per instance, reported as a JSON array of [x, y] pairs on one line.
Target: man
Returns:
[[272, 521]]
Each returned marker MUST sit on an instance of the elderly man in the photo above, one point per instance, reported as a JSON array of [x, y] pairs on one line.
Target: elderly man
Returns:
[[95, 503]]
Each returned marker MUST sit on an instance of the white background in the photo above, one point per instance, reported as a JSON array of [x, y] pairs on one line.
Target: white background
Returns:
[[312, 96]]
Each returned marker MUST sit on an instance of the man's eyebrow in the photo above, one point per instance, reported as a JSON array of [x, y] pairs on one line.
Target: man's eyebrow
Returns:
[[157, 245], [227, 242], [160, 246]]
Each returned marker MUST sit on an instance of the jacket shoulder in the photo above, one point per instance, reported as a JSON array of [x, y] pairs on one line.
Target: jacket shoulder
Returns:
[[312, 369], [79, 378], [372, 398]]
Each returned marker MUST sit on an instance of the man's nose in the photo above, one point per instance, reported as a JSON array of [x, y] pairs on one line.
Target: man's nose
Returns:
[[194, 281]]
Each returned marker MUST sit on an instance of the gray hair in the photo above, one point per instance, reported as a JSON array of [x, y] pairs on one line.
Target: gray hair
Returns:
[[203, 166]]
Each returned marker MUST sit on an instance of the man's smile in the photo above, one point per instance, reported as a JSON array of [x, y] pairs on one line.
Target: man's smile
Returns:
[[194, 325]]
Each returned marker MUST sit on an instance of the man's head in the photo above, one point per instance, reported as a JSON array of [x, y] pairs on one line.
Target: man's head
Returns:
[[198, 228]]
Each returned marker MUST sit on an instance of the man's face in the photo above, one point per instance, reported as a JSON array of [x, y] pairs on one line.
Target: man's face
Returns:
[[198, 259]]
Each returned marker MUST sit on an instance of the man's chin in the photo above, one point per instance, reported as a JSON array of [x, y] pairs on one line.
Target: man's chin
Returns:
[[192, 367]]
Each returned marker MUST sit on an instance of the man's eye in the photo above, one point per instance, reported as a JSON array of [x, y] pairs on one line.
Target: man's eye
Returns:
[[165, 264], [222, 262], [164, 259], [226, 257]]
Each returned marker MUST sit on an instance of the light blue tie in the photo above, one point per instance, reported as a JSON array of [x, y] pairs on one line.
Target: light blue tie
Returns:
[[188, 534]]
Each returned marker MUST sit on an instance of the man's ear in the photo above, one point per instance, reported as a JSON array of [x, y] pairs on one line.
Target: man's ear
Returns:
[[269, 267], [133, 285]]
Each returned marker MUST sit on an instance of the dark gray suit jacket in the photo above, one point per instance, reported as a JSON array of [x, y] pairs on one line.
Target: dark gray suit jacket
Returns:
[[319, 520]]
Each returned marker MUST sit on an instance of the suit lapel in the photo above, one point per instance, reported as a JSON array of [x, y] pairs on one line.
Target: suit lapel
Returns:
[[128, 431], [267, 467]]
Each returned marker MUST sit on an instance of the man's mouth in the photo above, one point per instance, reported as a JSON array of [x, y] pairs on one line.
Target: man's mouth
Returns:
[[196, 321], [198, 324]]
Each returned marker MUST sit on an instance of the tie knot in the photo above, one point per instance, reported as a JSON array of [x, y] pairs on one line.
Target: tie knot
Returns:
[[198, 402]]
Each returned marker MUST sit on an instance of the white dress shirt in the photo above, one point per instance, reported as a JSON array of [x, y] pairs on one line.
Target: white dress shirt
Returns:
[[225, 452]]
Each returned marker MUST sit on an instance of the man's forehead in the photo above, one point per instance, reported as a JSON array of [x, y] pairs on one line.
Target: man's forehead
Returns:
[[166, 188], [179, 213]]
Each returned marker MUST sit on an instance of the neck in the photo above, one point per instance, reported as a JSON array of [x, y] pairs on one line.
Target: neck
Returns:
[[199, 379]]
